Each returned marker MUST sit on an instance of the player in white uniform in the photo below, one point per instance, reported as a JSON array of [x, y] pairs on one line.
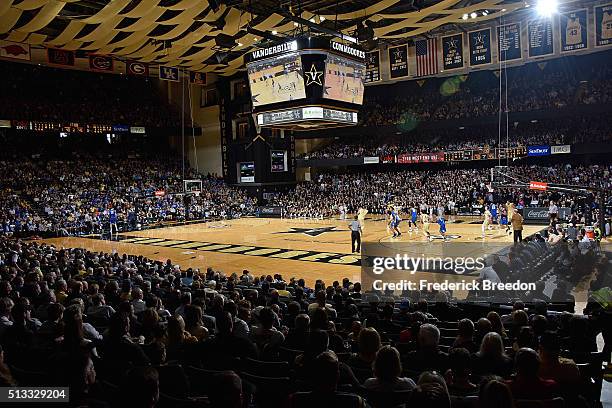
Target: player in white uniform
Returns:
[[361, 214], [486, 222]]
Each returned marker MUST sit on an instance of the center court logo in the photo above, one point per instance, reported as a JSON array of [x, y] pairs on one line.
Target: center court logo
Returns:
[[313, 232]]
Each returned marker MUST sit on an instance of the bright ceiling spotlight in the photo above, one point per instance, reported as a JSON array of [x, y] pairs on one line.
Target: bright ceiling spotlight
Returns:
[[473, 14], [547, 8], [322, 18], [274, 32], [485, 13], [465, 16]]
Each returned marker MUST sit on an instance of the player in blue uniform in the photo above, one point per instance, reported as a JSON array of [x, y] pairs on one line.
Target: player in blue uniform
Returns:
[[503, 219], [413, 219], [112, 219], [494, 213], [394, 221], [442, 224]]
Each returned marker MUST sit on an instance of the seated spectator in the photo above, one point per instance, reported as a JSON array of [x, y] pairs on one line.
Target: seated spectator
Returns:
[[465, 336], [298, 336], [118, 346], [387, 371], [140, 388], [527, 384], [325, 382], [193, 322], [497, 325], [554, 367], [495, 393], [227, 391], [226, 344], [427, 356], [264, 334], [320, 303], [431, 391], [492, 359], [368, 345], [458, 375], [6, 378], [99, 309]]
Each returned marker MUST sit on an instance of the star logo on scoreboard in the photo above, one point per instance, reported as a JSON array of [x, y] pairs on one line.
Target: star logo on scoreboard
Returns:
[[313, 232], [313, 76]]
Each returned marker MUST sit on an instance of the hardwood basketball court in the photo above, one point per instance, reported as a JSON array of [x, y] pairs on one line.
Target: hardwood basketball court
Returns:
[[309, 249]]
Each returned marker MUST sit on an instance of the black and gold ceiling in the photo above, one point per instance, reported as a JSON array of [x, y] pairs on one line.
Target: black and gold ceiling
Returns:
[[182, 32]]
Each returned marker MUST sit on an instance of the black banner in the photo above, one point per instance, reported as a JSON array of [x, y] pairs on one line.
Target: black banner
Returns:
[[480, 47], [509, 42], [269, 212], [452, 52], [372, 67], [573, 27], [540, 37], [603, 25], [398, 61]]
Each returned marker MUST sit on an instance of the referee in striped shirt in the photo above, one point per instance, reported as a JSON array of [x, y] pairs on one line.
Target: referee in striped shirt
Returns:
[[355, 227]]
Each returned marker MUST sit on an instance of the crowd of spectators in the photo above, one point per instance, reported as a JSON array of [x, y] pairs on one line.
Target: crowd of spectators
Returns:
[[76, 195], [37, 93], [129, 331], [452, 189], [545, 132], [585, 81]]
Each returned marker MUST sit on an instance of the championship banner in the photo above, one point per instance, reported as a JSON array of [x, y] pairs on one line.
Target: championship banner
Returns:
[[60, 57], [168, 73], [15, 50], [408, 158], [372, 73], [540, 35], [480, 47], [452, 52], [509, 42], [573, 30], [603, 25], [560, 149], [101, 63], [137, 68], [198, 78], [398, 61]]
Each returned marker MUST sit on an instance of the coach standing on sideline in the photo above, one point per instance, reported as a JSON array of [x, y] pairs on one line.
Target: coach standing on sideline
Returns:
[[355, 227], [517, 226]]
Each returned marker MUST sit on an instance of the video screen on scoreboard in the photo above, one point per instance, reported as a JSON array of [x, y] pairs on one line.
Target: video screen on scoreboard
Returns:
[[276, 80], [344, 79], [247, 172]]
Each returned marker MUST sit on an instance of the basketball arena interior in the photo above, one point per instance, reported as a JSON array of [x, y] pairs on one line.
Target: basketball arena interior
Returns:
[[306, 203]]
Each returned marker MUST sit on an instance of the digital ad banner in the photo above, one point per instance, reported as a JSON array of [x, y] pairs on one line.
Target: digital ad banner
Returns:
[[398, 61], [452, 52], [480, 47], [573, 30]]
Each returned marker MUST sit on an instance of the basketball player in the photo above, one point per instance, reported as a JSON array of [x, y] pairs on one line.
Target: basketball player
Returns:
[[503, 220], [442, 224], [509, 212], [394, 221], [112, 219], [494, 214], [425, 221], [486, 223], [413, 219], [361, 214]]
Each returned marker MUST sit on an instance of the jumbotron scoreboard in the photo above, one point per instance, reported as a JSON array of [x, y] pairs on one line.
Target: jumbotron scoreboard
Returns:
[[306, 83]]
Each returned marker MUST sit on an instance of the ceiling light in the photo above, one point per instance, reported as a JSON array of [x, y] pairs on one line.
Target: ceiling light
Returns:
[[322, 18], [295, 24], [240, 44], [473, 15], [465, 16], [274, 32], [547, 8], [503, 9], [485, 13]]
